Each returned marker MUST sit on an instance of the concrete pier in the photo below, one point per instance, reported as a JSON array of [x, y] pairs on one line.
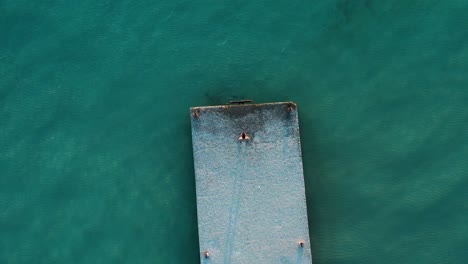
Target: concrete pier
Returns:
[[251, 202]]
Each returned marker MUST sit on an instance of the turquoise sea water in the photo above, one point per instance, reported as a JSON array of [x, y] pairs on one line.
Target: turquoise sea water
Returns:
[[95, 149]]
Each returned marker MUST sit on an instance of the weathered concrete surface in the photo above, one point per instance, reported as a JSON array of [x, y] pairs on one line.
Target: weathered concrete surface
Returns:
[[250, 194]]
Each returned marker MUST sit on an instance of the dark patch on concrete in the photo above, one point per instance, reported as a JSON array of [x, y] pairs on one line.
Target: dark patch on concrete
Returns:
[[248, 118]]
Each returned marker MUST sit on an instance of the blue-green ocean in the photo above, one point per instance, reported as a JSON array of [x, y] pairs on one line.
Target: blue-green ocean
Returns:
[[95, 147]]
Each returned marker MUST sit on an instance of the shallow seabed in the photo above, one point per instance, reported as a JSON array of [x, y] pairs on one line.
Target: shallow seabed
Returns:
[[95, 148]]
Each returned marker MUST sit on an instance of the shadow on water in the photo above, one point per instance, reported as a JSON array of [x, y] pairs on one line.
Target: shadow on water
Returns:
[[313, 172]]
